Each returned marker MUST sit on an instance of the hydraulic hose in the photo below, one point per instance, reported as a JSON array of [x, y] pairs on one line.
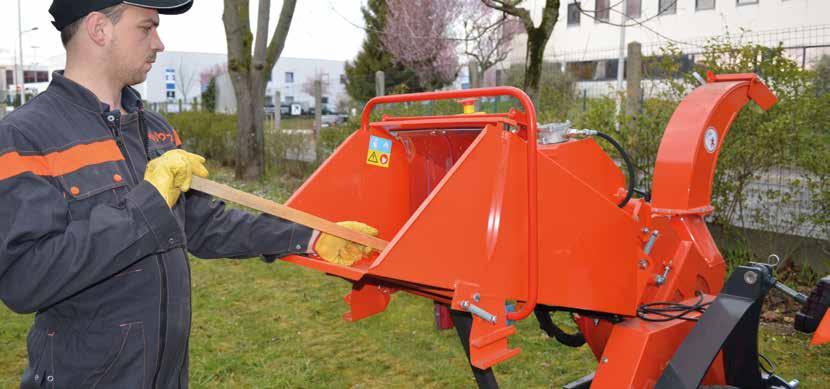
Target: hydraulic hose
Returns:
[[629, 165], [631, 175]]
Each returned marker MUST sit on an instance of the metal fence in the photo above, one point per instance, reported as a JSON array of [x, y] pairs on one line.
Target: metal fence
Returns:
[[595, 70], [595, 75]]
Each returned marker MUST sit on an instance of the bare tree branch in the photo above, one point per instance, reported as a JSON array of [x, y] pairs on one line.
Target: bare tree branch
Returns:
[[278, 39], [261, 34], [510, 8]]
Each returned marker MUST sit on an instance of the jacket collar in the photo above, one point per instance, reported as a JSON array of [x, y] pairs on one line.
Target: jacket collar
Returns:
[[83, 97]]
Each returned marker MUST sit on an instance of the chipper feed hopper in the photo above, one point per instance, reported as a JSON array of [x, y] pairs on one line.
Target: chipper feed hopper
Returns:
[[480, 210]]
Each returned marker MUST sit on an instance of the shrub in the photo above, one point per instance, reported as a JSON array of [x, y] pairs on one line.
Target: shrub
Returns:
[[210, 134]]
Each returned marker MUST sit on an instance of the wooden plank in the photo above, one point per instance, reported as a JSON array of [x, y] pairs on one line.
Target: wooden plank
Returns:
[[227, 193]]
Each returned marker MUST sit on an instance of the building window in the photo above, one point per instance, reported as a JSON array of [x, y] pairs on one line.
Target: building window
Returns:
[[324, 99], [667, 7], [289, 77], [745, 2], [42, 76], [9, 77], [634, 9], [343, 79], [704, 4], [573, 14], [601, 10], [289, 99]]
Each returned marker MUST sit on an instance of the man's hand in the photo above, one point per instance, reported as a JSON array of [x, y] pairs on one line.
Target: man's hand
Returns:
[[171, 173], [341, 251]]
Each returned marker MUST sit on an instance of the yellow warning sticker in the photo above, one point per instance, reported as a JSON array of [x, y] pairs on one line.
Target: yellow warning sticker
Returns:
[[380, 151]]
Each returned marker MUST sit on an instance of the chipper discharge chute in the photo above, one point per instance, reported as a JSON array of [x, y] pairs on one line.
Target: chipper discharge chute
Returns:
[[484, 209]]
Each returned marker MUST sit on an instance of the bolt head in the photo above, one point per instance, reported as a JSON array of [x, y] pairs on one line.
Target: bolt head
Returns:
[[751, 277], [476, 297], [604, 359], [465, 304], [643, 264]]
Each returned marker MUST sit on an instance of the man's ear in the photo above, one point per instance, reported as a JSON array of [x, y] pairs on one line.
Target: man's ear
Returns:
[[98, 27]]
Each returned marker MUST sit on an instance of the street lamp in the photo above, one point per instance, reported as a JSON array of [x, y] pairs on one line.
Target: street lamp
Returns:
[[20, 33]]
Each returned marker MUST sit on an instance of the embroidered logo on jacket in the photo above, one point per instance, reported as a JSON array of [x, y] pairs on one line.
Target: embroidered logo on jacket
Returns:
[[160, 137], [164, 137]]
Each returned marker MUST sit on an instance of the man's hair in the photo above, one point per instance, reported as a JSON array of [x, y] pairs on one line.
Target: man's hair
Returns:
[[113, 13]]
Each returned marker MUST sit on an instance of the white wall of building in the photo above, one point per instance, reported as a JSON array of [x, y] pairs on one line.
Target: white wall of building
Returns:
[[188, 68], [758, 21], [9, 89], [293, 78], [801, 26]]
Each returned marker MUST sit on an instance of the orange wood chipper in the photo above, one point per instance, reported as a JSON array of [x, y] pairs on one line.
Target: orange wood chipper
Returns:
[[481, 210]]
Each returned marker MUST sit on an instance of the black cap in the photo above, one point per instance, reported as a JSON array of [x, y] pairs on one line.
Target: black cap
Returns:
[[66, 12]]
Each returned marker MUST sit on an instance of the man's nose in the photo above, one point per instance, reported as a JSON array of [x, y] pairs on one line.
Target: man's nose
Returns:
[[158, 45]]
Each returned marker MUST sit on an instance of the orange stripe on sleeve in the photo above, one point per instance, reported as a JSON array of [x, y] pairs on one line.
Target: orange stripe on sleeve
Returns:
[[176, 136], [60, 162]]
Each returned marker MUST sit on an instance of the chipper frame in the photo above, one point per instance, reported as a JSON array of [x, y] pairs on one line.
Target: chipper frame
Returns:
[[477, 213]]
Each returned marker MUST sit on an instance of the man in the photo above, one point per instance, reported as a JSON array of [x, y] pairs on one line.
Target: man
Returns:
[[96, 217]]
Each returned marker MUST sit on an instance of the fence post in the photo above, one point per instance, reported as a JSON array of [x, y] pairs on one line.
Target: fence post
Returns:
[[180, 106], [499, 75], [380, 86], [277, 110], [634, 76], [318, 107], [584, 100], [475, 81], [380, 83]]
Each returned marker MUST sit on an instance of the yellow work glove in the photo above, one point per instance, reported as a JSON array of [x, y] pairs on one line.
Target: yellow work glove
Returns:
[[341, 251], [171, 173]]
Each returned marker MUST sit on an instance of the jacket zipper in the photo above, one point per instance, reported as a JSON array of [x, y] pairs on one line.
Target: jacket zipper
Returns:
[[162, 269], [142, 132], [121, 146]]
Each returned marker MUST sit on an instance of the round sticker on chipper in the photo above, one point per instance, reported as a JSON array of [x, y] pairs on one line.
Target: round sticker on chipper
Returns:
[[710, 139]]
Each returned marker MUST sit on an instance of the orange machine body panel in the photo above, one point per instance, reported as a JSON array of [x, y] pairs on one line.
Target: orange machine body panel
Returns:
[[822, 334], [477, 215], [475, 210], [639, 350]]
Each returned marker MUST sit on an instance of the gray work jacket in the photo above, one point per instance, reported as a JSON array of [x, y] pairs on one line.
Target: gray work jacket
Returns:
[[93, 248]]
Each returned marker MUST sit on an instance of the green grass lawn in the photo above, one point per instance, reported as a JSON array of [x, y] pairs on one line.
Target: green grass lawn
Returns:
[[280, 325]]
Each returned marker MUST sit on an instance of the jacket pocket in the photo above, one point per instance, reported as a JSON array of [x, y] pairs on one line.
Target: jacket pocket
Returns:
[[41, 348], [124, 366], [93, 185]]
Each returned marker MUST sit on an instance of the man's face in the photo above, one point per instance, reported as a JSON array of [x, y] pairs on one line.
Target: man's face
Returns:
[[134, 45]]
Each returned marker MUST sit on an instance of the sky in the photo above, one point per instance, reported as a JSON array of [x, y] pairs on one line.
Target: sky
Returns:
[[322, 29]]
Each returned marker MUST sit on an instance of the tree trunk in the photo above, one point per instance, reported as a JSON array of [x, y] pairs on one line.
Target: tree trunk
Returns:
[[533, 64], [249, 76], [537, 38]]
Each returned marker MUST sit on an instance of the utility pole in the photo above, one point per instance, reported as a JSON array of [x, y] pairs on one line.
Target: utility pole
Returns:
[[20, 44]]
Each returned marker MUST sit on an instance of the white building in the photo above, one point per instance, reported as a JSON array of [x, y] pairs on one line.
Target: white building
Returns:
[[589, 48], [184, 76], [36, 78]]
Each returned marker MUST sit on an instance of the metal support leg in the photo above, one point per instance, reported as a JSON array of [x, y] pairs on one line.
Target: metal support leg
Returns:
[[729, 324], [463, 322]]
